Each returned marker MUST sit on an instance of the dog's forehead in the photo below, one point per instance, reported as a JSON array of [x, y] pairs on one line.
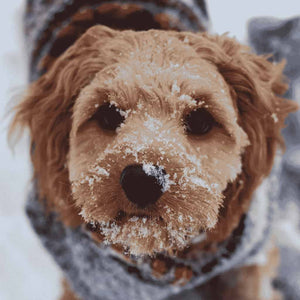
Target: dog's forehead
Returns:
[[196, 72], [171, 82], [159, 57], [195, 77], [166, 68]]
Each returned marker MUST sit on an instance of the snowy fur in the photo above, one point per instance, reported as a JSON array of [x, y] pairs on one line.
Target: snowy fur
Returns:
[[192, 188]]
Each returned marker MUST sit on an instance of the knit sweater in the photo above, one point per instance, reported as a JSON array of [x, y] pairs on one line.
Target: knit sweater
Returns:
[[98, 272], [52, 26]]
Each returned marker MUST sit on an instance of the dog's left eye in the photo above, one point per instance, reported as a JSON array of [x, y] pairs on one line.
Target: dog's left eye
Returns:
[[199, 121], [109, 116]]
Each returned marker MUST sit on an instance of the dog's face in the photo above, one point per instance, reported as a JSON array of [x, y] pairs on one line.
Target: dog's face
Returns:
[[155, 141], [147, 134]]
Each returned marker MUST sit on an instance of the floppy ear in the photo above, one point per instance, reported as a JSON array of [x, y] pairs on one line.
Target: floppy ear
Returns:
[[255, 84], [47, 110]]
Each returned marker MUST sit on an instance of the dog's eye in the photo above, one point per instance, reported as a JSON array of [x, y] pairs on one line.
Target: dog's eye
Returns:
[[199, 121], [109, 116]]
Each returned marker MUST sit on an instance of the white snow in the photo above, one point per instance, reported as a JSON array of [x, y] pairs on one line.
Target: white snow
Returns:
[[163, 179], [152, 124], [175, 88], [100, 171], [274, 117], [184, 97]]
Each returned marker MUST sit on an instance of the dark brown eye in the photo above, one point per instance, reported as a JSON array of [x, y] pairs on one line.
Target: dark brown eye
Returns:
[[109, 116], [199, 121]]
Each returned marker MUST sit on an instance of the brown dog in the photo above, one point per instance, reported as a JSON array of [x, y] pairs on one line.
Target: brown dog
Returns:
[[155, 139]]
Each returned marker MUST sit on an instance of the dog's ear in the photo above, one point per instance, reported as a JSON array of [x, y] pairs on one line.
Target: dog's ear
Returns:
[[47, 111], [255, 84]]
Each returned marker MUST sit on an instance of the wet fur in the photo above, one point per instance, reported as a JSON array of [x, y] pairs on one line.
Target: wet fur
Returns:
[[72, 155]]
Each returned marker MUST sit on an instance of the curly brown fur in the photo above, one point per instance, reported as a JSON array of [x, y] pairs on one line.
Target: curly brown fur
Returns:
[[156, 78]]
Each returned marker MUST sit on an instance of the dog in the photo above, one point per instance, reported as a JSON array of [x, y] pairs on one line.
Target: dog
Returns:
[[155, 141]]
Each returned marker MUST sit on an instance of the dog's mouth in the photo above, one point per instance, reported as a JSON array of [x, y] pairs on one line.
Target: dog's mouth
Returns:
[[120, 219], [136, 234], [124, 216], [142, 234], [162, 260]]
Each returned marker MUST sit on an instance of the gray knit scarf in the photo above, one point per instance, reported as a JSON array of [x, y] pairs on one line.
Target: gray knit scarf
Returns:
[[97, 272], [44, 19]]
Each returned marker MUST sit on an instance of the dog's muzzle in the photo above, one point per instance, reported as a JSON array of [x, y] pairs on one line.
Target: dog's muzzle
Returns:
[[141, 187]]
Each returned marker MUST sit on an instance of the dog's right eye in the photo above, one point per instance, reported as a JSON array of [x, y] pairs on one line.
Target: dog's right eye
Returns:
[[109, 116]]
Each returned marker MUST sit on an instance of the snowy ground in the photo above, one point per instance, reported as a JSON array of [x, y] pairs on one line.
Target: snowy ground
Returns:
[[26, 270]]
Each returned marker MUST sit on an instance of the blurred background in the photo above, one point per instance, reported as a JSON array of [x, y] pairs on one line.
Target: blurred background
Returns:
[[26, 270]]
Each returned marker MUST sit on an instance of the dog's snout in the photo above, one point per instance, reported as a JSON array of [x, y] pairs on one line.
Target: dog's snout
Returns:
[[143, 184]]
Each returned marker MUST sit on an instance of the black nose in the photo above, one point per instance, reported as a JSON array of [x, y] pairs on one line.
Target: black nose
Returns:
[[143, 184]]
